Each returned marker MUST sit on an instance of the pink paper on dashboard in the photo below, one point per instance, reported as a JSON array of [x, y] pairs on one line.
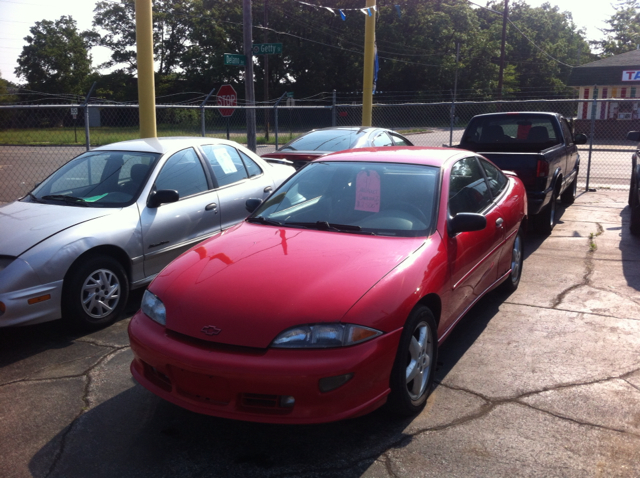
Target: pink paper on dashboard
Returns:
[[368, 191]]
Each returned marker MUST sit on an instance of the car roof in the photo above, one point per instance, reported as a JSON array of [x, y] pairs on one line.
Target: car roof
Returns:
[[399, 154], [162, 145]]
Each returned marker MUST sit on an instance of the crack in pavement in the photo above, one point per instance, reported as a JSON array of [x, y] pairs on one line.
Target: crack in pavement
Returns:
[[581, 312], [87, 405]]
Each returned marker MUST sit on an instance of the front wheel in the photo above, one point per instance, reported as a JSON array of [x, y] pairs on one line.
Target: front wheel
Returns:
[[414, 367], [94, 293]]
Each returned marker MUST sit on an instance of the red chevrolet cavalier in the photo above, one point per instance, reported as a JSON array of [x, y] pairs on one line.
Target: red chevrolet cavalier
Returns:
[[331, 299]]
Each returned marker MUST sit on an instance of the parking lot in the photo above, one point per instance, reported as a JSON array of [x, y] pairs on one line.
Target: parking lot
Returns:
[[545, 382]]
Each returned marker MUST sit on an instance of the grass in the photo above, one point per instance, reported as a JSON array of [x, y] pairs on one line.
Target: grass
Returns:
[[66, 136], [106, 135]]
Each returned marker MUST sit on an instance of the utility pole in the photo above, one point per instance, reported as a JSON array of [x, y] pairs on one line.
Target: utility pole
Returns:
[[266, 71], [146, 87], [367, 81], [249, 93], [504, 37]]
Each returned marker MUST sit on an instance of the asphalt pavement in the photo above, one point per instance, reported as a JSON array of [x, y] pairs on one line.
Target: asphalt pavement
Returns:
[[544, 382]]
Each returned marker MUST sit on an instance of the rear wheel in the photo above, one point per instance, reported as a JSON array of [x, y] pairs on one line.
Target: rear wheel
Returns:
[[414, 367], [517, 260], [569, 194], [94, 293], [634, 205], [546, 219]]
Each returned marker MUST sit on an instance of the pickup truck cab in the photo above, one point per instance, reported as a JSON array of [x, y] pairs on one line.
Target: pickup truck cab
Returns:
[[634, 186], [540, 148]]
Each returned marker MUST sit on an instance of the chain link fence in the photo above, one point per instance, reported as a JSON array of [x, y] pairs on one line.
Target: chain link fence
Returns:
[[35, 140]]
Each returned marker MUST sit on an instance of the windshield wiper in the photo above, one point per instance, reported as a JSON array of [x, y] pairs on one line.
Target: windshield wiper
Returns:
[[327, 226], [69, 199], [263, 220], [35, 199]]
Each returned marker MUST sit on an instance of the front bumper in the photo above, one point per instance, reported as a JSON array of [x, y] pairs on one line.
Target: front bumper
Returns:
[[18, 310], [247, 384]]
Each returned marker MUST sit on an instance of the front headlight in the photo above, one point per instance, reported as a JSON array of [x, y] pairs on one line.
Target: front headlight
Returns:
[[324, 336], [154, 308]]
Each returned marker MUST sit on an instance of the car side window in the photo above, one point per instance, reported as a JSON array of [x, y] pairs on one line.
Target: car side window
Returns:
[[566, 131], [383, 139], [226, 163], [184, 173], [399, 140], [252, 167], [497, 180], [468, 190]]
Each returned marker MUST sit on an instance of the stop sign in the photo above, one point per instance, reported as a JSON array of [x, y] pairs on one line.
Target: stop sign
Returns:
[[226, 97]]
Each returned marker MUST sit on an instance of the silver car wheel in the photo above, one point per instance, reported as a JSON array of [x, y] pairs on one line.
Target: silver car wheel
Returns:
[[516, 259], [420, 359], [100, 293]]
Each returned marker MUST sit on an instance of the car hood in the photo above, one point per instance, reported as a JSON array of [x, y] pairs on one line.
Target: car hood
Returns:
[[25, 224], [248, 284]]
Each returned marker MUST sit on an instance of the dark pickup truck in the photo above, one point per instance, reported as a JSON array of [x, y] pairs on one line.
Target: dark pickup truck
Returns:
[[540, 148]]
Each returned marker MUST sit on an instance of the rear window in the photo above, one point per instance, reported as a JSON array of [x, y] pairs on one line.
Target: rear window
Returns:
[[333, 140], [516, 132]]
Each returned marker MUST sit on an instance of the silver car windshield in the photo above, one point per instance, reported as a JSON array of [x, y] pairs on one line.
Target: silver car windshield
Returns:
[[356, 197], [98, 179]]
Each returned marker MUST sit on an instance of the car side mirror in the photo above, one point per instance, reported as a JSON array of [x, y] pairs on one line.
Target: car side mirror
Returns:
[[580, 138], [466, 222], [252, 204], [633, 135], [162, 196]]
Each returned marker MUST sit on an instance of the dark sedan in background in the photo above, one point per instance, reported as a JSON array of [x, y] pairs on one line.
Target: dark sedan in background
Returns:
[[634, 190], [320, 142]]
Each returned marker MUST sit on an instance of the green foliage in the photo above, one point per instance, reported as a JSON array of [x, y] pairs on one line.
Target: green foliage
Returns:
[[624, 32], [56, 58]]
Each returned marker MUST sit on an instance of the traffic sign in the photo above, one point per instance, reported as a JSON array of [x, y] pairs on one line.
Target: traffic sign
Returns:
[[234, 59], [226, 96], [267, 48], [74, 112]]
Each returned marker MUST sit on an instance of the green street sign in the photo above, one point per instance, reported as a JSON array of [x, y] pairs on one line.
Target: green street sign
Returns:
[[267, 48], [289, 94], [234, 59]]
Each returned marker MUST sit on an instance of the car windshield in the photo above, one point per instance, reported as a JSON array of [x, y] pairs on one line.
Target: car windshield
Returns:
[[356, 197], [325, 140], [97, 178]]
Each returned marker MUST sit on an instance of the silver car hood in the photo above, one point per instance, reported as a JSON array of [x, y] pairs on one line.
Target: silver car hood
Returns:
[[25, 224]]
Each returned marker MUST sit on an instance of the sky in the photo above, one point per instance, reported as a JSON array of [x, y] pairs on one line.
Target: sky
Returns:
[[17, 16]]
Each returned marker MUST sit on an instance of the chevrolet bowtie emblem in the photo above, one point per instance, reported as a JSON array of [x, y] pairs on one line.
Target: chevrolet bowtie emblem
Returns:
[[211, 330]]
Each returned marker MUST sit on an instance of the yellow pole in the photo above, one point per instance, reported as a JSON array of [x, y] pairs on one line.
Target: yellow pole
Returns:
[[146, 87], [367, 87]]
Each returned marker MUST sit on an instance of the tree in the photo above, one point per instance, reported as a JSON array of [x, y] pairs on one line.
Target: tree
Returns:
[[624, 32], [56, 57]]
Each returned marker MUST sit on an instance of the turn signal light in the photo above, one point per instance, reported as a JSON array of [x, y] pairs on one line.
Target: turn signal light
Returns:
[[36, 300], [3, 308]]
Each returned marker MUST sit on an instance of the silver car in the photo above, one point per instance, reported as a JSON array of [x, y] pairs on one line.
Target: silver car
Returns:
[[109, 220]]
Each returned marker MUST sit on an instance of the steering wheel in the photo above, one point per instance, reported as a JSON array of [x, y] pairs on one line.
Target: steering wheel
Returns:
[[409, 208]]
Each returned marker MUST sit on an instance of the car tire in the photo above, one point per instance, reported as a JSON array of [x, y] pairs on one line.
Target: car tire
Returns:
[[517, 261], [414, 367], [94, 293], [545, 220], [634, 205], [568, 197]]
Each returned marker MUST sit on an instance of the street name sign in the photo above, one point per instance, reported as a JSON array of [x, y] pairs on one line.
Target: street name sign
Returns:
[[267, 48], [234, 59]]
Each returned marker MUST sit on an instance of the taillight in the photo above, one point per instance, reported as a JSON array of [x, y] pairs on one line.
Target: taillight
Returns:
[[542, 170]]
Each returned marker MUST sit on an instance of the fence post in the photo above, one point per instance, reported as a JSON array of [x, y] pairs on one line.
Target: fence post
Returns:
[[333, 109], [86, 116], [275, 114], [455, 91], [202, 109], [594, 106]]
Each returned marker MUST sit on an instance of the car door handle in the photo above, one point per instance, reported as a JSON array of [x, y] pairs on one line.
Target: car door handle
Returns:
[[211, 206], [499, 222], [268, 189]]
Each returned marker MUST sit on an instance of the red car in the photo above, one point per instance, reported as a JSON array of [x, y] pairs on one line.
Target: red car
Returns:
[[331, 299], [320, 142]]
